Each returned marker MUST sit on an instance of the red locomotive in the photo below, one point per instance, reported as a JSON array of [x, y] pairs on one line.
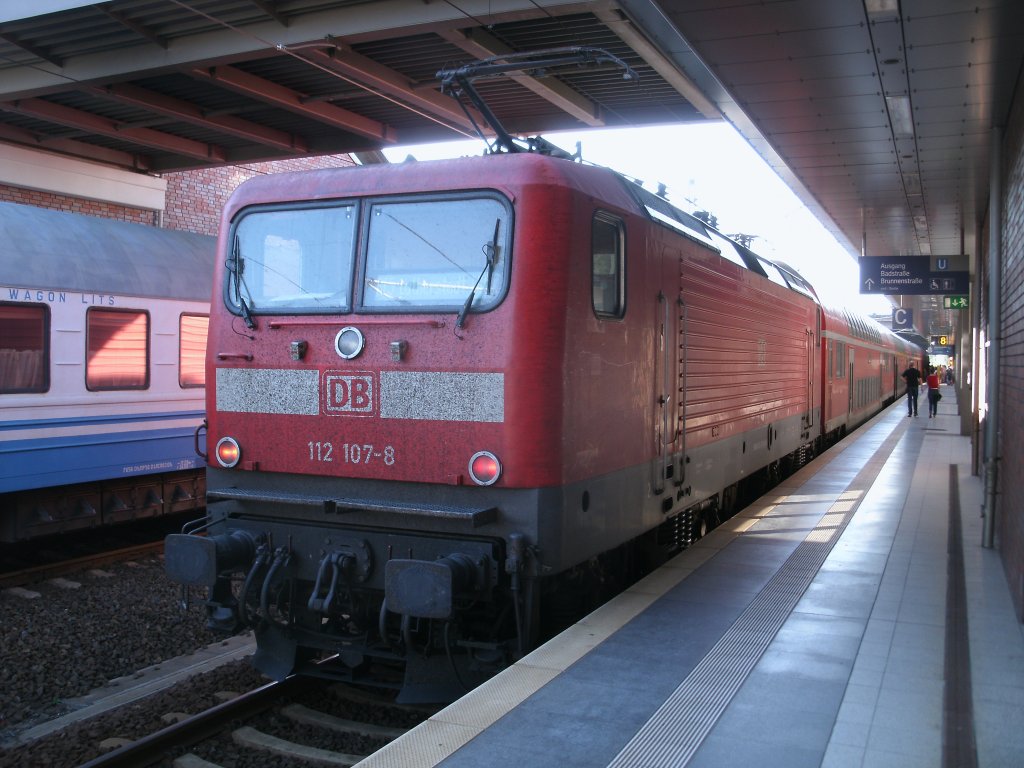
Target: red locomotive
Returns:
[[452, 400], [453, 404]]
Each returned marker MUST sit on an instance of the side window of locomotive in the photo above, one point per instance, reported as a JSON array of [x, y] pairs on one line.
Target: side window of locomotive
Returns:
[[608, 266], [117, 349], [430, 253], [192, 350], [24, 348], [294, 259]]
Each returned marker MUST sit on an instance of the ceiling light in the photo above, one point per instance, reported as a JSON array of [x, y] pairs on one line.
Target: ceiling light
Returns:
[[899, 116], [881, 8]]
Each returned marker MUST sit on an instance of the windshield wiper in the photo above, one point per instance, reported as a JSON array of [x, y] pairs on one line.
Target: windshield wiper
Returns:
[[491, 253], [235, 266]]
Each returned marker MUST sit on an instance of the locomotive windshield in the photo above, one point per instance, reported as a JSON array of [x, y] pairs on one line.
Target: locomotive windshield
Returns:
[[378, 255], [294, 259]]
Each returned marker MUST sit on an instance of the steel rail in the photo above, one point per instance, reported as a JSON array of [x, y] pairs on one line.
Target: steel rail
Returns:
[[53, 570], [149, 749]]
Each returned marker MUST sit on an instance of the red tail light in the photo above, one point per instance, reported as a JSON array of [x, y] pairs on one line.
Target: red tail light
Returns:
[[228, 452], [484, 468]]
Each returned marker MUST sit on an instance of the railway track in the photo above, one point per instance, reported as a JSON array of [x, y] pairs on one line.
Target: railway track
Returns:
[[54, 556], [236, 731], [36, 573]]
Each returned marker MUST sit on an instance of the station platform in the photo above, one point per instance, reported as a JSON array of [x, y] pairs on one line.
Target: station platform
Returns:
[[850, 617]]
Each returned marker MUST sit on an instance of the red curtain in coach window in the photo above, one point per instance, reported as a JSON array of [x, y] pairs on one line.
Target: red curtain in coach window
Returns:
[[23, 359], [118, 346], [192, 353]]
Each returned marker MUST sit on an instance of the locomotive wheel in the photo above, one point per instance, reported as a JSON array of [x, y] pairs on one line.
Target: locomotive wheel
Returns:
[[727, 508]]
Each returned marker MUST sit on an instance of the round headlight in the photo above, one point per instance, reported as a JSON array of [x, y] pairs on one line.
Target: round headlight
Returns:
[[349, 342], [227, 452]]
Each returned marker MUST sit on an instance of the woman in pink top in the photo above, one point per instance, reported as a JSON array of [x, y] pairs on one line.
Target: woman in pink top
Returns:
[[933, 392]]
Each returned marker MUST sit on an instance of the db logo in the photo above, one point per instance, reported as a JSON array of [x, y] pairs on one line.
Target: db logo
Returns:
[[349, 393]]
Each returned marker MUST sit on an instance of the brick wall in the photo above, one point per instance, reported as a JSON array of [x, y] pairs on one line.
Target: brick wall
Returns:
[[1009, 509], [61, 202], [195, 198]]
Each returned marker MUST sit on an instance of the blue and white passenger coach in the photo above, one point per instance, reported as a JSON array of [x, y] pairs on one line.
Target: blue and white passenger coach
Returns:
[[102, 371]]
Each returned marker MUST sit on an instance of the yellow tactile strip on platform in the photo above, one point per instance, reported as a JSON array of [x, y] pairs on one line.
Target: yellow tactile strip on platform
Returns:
[[432, 741]]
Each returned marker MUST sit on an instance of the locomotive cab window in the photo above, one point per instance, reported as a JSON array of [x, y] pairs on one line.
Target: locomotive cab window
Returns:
[[406, 254], [608, 266], [283, 260], [24, 348], [430, 253], [117, 349]]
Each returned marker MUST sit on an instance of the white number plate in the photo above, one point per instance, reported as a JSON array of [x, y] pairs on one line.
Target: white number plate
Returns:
[[350, 453]]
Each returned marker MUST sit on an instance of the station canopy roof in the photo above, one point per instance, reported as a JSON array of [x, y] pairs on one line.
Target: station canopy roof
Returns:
[[878, 113]]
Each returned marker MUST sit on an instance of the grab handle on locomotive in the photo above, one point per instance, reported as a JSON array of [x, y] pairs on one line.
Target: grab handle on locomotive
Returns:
[[204, 425]]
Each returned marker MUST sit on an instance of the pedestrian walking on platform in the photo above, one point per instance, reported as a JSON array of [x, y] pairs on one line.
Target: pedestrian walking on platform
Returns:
[[913, 379], [933, 393]]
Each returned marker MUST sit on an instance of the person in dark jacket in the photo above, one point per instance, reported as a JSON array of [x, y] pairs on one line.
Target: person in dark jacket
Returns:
[[913, 378]]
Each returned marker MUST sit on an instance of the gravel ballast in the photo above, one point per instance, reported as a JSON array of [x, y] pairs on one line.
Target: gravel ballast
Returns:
[[83, 630]]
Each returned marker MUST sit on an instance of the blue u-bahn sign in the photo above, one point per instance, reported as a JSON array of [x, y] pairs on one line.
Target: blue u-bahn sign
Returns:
[[913, 275]]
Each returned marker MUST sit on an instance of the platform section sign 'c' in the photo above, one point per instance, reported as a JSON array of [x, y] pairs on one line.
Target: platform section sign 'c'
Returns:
[[914, 275]]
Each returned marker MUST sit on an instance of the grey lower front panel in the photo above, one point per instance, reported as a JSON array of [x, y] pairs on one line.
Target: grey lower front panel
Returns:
[[561, 526]]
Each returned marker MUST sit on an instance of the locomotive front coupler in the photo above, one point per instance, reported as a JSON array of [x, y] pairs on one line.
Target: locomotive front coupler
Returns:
[[428, 589], [193, 560], [198, 560], [333, 567]]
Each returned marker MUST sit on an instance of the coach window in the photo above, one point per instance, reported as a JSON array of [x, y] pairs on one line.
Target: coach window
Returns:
[[192, 350], [608, 250], [117, 349], [24, 348]]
